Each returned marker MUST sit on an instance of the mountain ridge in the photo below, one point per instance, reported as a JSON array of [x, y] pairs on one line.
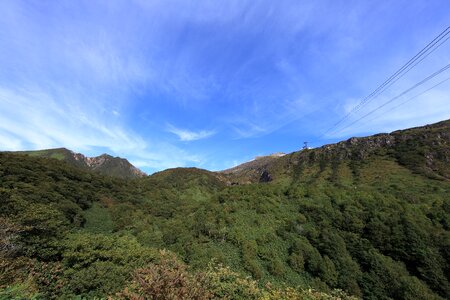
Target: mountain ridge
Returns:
[[104, 163], [267, 167], [434, 140]]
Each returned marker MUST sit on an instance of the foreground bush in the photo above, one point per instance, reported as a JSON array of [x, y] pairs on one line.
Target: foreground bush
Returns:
[[170, 279]]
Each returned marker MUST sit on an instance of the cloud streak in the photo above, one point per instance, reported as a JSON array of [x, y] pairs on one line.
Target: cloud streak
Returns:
[[185, 135]]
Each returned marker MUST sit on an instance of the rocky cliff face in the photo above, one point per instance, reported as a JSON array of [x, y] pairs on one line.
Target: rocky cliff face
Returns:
[[106, 163]]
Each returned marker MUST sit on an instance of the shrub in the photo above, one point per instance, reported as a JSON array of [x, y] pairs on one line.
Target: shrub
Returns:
[[166, 280]]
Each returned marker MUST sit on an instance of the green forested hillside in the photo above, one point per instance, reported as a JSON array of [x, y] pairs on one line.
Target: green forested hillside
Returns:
[[367, 216]]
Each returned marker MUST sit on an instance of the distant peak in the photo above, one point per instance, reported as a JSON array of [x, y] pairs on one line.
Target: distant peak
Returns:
[[276, 154], [104, 163]]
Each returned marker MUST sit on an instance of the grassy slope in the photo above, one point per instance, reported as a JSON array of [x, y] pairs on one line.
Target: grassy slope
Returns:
[[58, 153]]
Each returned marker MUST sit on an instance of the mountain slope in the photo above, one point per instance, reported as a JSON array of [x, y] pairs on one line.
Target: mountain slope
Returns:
[[104, 164], [424, 150], [370, 216]]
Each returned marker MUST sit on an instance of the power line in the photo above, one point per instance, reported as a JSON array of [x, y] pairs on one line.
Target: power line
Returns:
[[408, 66], [396, 76], [400, 95], [406, 72], [414, 61], [414, 97]]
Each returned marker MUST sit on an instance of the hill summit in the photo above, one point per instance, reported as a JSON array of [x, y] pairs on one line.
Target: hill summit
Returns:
[[104, 164]]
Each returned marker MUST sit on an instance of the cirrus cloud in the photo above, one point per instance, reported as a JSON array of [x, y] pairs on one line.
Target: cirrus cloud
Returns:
[[186, 135]]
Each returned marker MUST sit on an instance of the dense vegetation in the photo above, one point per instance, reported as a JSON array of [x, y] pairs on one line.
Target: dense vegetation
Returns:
[[375, 224]]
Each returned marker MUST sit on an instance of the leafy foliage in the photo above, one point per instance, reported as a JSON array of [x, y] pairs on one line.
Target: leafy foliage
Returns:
[[170, 279]]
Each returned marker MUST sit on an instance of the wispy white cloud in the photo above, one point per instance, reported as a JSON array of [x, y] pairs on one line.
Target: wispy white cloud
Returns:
[[32, 119], [432, 106], [265, 118], [245, 128], [162, 158], [9, 142], [76, 91], [186, 135], [42, 121], [106, 62]]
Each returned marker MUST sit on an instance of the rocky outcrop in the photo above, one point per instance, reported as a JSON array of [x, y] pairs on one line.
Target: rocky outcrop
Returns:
[[265, 177], [107, 164]]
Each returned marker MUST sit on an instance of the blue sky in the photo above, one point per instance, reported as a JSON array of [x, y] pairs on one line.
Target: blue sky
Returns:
[[210, 83]]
